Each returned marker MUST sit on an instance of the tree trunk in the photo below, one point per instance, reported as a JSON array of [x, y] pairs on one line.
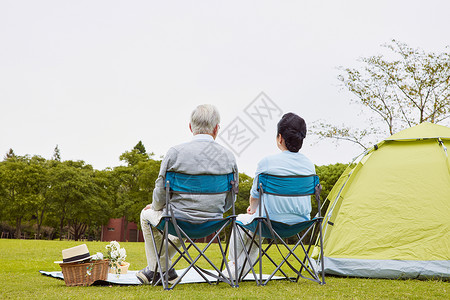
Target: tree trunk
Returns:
[[77, 229], [38, 232], [18, 227], [39, 223], [61, 225]]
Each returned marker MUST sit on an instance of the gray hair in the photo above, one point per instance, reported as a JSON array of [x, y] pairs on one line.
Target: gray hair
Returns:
[[204, 119]]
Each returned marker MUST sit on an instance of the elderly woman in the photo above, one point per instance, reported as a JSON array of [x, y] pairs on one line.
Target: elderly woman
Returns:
[[291, 130]]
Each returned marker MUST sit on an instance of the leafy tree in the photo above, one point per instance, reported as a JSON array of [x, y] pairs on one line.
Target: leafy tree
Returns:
[[23, 187], [71, 194], [23, 180], [94, 209], [411, 88], [13, 181], [242, 199], [71, 187], [148, 173], [10, 153], [134, 183], [328, 175], [38, 182], [56, 154], [136, 155], [128, 193], [3, 194], [140, 147]]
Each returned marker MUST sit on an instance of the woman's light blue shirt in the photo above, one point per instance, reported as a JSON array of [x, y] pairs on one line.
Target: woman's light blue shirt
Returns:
[[288, 210]]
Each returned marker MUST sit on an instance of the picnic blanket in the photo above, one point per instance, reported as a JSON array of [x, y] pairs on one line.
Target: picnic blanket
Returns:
[[130, 278]]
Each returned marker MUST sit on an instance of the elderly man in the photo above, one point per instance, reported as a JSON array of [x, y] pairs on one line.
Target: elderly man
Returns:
[[202, 155]]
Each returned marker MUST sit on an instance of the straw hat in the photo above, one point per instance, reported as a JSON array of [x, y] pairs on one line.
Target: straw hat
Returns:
[[75, 254]]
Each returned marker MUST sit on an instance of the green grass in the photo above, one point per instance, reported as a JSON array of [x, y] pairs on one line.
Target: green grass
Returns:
[[21, 260]]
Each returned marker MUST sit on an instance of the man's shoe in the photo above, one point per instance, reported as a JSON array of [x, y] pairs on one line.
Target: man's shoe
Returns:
[[145, 276], [172, 276]]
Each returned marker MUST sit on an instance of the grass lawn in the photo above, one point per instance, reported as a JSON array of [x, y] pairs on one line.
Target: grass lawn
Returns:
[[21, 260]]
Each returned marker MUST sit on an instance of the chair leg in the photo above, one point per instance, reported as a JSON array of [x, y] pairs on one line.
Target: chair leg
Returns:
[[321, 252], [165, 280], [260, 255], [233, 277], [234, 231], [158, 267]]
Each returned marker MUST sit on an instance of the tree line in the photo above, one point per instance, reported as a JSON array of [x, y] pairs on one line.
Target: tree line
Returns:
[[51, 198], [71, 197]]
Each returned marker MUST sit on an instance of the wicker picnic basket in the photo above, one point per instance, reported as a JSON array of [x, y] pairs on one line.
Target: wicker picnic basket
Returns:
[[76, 274]]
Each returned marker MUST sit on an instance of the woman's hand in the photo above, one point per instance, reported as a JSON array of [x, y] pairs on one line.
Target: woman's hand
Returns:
[[253, 205]]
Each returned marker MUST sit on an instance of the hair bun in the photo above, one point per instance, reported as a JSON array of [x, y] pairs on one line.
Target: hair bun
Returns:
[[293, 129]]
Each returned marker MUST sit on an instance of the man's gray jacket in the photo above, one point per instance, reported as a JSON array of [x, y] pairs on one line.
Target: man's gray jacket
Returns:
[[200, 156]]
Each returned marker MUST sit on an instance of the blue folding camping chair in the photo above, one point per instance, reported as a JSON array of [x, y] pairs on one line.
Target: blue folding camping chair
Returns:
[[190, 232], [305, 232]]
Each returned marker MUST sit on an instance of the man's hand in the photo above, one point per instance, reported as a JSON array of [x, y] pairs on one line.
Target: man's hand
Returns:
[[148, 207]]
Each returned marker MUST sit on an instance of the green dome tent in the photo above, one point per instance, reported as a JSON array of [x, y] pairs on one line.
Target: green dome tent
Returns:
[[389, 215]]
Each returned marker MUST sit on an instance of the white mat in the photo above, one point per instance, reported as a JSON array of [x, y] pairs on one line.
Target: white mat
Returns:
[[130, 278]]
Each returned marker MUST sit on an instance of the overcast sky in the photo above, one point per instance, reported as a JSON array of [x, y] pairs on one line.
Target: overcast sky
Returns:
[[95, 77]]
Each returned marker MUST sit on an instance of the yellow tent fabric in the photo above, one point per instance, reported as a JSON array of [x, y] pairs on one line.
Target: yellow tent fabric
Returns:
[[422, 131], [389, 216]]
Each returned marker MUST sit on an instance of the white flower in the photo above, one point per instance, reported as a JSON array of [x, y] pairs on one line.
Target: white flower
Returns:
[[97, 256], [122, 255], [115, 253], [115, 245]]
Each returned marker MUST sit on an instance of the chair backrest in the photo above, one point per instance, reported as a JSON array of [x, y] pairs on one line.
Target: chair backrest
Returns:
[[209, 184], [199, 183], [288, 185]]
